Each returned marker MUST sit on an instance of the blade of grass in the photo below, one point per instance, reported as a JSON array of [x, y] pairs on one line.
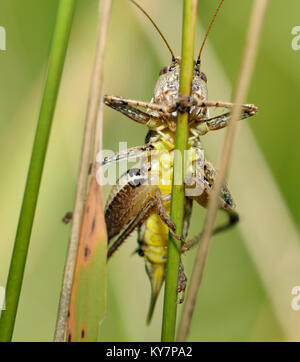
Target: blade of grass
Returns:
[[177, 204], [84, 275], [19, 256], [251, 47], [88, 296]]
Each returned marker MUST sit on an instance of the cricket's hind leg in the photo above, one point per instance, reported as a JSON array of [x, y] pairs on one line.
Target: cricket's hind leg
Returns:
[[226, 204], [182, 282], [233, 219], [155, 202]]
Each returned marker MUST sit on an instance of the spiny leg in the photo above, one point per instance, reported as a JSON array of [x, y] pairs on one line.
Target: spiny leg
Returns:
[[188, 102], [152, 121], [128, 107], [226, 203], [172, 227], [156, 201], [181, 287], [182, 281], [182, 103], [138, 151], [233, 218], [137, 221], [129, 111], [119, 103], [131, 153], [202, 126]]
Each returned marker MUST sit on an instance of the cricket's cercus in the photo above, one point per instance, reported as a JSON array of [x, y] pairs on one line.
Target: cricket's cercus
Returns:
[[141, 197]]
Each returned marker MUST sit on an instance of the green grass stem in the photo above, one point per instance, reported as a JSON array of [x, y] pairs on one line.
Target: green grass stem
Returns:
[[178, 195], [19, 256]]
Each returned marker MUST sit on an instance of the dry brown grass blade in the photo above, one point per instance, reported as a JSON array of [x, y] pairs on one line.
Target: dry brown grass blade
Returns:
[[255, 26], [91, 119], [88, 296]]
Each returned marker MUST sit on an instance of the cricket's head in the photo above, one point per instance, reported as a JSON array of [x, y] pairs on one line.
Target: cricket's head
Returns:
[[168, 82], [167, 86], [166, 91]]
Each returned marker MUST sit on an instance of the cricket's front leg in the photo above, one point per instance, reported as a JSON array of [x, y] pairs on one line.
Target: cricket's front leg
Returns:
[[219, 104], [133, 152], [202, 125], [185, 102], [130, 109]]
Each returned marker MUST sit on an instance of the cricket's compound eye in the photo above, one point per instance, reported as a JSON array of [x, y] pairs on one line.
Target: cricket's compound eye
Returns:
[[203, 77], [164, 70]]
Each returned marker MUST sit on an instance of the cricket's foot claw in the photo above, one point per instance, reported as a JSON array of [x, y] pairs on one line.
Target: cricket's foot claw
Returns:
[[184, 246]]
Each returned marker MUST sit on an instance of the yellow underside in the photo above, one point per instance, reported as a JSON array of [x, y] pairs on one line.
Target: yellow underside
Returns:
[[156, 234], [155, 240]]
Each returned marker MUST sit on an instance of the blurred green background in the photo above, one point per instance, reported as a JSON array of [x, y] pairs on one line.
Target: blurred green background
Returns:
[[246, 292]]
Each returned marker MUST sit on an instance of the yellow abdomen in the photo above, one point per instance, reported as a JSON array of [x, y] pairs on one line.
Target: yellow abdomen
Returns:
[[156, 238], [155, 241]]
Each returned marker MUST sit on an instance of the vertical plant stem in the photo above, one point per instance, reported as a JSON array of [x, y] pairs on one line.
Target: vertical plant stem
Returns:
[[94, 113], [178, 197], [251, 47], [18, 261]]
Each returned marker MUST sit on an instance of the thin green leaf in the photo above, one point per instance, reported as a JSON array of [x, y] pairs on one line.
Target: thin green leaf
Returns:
[[177, 204], [18, 261]]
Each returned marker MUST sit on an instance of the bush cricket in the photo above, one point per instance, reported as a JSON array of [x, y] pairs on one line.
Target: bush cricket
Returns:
[[136, 202]]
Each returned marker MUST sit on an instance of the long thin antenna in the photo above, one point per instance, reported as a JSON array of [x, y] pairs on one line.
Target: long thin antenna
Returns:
[[156, 27], [210, 26]]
